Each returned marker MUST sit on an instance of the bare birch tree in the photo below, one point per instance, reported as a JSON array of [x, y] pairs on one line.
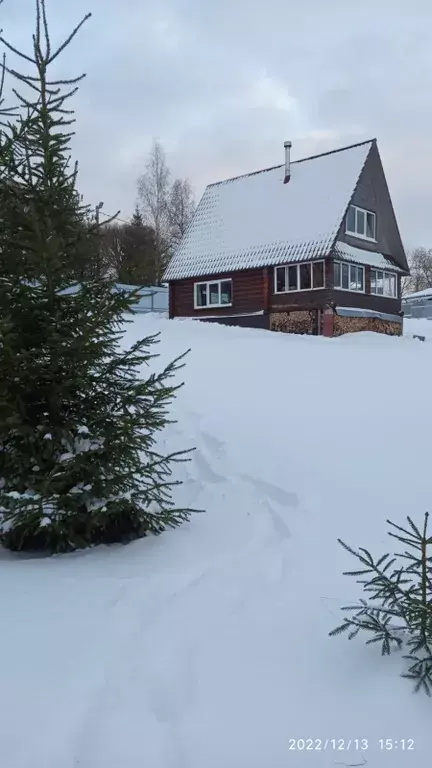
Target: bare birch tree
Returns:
[[420, 264], [165, 207], [181, 209], [154, 194]]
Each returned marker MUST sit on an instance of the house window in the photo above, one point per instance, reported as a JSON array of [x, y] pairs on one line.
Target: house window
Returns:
[[292, 275], [318, 274], [384, 283], [299, 277], [349, 277], [305, 277], [361, 223], [215, 293], [345, 281]]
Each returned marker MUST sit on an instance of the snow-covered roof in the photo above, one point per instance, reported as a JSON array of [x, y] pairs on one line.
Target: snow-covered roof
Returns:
[[361, 256], [257, 220], [418, 295]]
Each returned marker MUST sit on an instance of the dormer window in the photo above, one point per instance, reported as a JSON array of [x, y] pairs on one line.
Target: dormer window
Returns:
[[361, 223]]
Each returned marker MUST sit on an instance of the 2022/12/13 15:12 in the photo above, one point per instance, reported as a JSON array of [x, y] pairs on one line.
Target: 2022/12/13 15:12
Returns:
[[403, 745]]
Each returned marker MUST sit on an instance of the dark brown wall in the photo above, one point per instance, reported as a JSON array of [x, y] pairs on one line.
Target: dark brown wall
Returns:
[[248, 294], [326, 297], [281, 302], [373, 194], [362, 300], [253, 291], [242, 321], [366, 301]]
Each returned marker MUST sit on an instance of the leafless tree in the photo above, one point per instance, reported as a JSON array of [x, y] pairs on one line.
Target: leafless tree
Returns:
[[165, 207], [420, 264], [154, 194], [181, 209]]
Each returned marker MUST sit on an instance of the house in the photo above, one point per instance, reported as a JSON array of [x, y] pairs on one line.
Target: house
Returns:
[[418, 304], [310, 246]]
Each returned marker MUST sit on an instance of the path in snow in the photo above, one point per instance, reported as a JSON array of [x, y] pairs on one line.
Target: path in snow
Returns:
[[166, 690]]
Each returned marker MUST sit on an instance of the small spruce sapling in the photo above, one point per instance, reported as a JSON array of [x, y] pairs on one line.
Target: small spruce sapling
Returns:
[[398, 609]]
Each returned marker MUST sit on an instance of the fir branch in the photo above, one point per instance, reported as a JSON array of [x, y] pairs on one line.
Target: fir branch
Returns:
[[45, 28], [402, 592], [69, 39], [16, 51]]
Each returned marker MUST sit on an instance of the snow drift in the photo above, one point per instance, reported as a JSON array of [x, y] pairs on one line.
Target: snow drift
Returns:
[[208, 646]]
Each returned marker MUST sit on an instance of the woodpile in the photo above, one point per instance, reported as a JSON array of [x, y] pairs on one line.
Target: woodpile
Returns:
[[297, 321], [355, 324]]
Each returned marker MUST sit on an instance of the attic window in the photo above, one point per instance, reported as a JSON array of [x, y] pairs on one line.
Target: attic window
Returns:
[[361, 223], [213, 293]]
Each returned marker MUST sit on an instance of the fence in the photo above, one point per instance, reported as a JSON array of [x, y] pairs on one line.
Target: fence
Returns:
[[420, 308], [151, 298]]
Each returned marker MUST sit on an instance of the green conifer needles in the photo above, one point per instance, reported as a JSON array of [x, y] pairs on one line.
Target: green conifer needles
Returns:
[[397, 609], [80, 415]]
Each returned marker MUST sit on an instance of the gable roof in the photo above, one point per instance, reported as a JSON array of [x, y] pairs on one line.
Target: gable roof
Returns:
[[256, 220]]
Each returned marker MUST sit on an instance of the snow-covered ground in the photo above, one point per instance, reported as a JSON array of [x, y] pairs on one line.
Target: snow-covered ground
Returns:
[[208, 646], [421, 326]]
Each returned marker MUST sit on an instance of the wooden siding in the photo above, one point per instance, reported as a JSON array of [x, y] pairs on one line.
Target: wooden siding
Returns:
[[367, 301], [321, 297], [253, 291], [283, 302], [372, 193], [267, 283], [242, 321], [329, 296], [248, 294]]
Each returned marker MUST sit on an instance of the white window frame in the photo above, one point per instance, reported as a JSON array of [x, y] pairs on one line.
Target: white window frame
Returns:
[[358, 234], [298, 265], [353, 266], [208, 283], [385, 273]]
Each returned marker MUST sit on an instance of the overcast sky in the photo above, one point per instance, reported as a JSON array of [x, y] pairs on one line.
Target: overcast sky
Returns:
[[222, 84]]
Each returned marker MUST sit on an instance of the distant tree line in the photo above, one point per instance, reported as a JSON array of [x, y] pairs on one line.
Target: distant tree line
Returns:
[[137, 252]]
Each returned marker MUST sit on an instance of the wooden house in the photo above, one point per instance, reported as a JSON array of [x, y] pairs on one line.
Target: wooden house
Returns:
[[310, 246]]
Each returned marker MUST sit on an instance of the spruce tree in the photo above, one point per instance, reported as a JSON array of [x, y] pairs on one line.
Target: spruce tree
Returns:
[[136, 218], [398, 610], [78, 424], [138, 258]]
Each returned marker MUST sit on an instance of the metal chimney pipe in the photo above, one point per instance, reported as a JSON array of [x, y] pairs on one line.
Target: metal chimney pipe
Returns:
[[287, 146]]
